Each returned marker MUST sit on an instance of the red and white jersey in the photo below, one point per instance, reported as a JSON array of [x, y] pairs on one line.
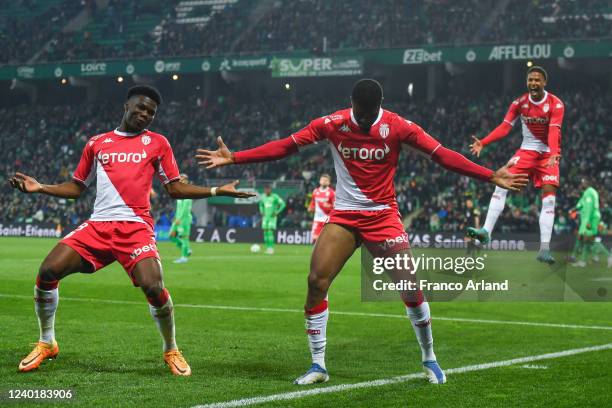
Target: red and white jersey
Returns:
[[365, 163], [536, 117], [123, 165], [322, 203]]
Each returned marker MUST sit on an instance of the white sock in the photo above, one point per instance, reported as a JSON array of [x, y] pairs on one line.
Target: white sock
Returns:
[[45, 305], [164, 319], [547, 221], [316, 328], [496, 206], [421, 323]]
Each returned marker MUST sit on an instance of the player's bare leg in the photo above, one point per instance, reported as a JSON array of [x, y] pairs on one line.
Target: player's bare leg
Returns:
[[417, 309], [59, 263], [148, 275], [333, 248], [547, 220]]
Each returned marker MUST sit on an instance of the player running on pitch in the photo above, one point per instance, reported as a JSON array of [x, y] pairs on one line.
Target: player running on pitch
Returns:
[[270, 206], [181, 225], [541, 116], [123, 161], [321, 205], [365, 142]]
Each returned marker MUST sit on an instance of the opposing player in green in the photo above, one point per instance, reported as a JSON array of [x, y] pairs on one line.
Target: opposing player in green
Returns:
[[270, 205], [181, 225], [590, 217]]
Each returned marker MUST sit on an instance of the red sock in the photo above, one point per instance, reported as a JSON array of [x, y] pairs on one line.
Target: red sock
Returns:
[[160, 300]]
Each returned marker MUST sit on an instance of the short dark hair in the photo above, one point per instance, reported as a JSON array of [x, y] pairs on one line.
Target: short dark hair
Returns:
[[537, 68], [367, 93], [145, 90]]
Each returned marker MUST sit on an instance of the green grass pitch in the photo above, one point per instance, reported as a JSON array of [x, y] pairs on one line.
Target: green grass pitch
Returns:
[[111, 351]]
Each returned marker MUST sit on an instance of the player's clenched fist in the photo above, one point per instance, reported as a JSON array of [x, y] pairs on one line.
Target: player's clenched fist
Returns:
[[24, 183]]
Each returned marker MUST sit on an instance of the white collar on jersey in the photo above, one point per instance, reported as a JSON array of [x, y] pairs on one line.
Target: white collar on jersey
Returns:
[[120, 133], [541, 100], [380, 113]]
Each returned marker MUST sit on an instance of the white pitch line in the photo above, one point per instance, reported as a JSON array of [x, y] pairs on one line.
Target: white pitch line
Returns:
[[400, 379], [357, 314]]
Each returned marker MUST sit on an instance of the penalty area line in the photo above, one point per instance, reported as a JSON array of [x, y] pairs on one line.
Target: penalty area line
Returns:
[[400, 379], [332, 312]]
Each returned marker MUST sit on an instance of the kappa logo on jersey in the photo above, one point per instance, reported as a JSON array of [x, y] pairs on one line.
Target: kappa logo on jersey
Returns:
[[139, 251], [525, 106], [345, 128], [120, 157], [108, 140], [361, 153], [145, 140], [383, 130]]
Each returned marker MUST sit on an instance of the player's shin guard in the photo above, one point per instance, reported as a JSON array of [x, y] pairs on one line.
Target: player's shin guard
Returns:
[[162, 311], [316, 329], [496, 206], [420, 317], [46, 298], [547, 220]]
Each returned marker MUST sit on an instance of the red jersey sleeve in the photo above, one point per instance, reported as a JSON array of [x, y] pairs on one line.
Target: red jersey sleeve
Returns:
[[513, 112], [278, 149], [167, 169], [312, 133], [414, 136], [554, 127], [86, 169]]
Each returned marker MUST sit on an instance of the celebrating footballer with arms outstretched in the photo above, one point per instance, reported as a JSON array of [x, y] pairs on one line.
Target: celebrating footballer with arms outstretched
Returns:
[[365, 142], [541, 116], [123, 161]]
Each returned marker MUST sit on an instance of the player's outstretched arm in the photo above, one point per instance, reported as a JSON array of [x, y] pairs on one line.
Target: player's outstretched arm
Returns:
[[28, 184], [273, 150], [458, 163], [182, 190], [498, 133]]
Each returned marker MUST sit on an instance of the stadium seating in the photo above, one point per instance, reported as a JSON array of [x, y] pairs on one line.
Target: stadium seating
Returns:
[[425, 192], [210, 27]]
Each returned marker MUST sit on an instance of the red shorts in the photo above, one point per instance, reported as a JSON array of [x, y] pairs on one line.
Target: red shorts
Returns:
[[317, 226], [534, 164], [102, 242], [382, 232]]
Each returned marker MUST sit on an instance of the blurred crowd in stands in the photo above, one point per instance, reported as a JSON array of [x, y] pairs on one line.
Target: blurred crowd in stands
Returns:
[[46, 142], [133, 29]]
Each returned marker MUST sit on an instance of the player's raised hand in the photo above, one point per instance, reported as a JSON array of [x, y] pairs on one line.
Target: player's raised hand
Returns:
[[24, 183], [504, 179], [215, 158], [230, 190], [553, 160], [476, 147]]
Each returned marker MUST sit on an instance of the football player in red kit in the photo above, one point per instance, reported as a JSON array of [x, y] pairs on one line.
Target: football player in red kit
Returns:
[[321, 205], [365, 143], [123, 162], [541, 115]]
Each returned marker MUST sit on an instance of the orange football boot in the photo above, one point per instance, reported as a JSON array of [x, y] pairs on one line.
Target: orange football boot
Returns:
[[41, 352], [177, 363]]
